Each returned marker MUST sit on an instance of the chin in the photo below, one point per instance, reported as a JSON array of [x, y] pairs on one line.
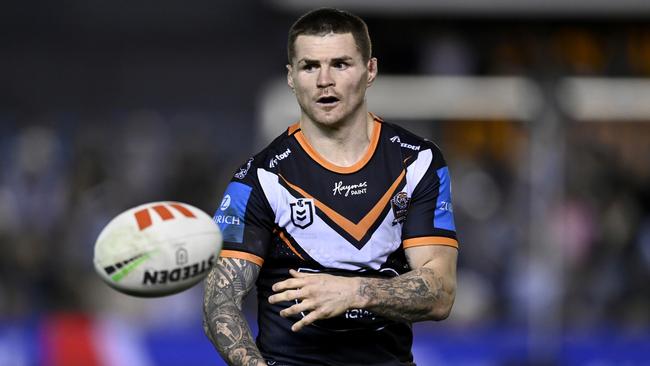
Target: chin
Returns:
[[327, 119]]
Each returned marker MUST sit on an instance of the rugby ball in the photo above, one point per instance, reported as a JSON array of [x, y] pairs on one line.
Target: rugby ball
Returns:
[[157, 249]]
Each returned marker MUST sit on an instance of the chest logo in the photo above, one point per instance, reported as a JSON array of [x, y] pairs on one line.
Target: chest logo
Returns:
[[274, 161], [302, 212], [395, 139], [350, 189], [400, 203]]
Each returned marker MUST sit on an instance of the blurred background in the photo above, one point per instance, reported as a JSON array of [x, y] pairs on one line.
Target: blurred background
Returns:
[[541, 108]]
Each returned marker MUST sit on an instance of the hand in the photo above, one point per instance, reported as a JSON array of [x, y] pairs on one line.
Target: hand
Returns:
[[324, 296]]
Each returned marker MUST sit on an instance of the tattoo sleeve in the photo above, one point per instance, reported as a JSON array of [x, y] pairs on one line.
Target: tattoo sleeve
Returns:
[[414, 296], [223, 322]]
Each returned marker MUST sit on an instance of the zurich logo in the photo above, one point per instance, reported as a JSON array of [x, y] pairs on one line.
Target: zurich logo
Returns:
[[225, 203]]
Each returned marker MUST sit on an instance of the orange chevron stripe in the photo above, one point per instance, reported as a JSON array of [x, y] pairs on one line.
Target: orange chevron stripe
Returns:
[[358, 230], [288, 243]]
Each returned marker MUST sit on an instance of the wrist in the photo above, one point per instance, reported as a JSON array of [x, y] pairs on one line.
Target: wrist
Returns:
[[359, 300]]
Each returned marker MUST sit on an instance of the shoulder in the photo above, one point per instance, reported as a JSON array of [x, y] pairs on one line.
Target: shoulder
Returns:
[[267, 158], [411, 144]]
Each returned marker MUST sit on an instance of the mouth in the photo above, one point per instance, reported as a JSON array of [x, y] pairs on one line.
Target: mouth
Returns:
[[327, 100]]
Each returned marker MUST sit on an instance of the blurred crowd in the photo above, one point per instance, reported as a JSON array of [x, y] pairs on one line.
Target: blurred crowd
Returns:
[[64, 178], [596, 267], [66, 173]]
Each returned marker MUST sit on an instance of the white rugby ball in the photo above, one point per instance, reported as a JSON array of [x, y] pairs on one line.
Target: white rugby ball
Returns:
[[157, 249]]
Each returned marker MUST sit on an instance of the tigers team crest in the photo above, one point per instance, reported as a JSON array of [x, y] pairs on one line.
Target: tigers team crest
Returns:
[[400, 203], [302, 212]]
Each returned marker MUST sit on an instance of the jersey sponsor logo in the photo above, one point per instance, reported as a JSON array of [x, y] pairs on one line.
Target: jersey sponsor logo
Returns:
[[302, 212], [274, 161], [359, 314], [350, 189], [225, 202], [227, 220], [399, 204], [444, 214], [244, 169], [395, 139], [446, 206], [232, 210]]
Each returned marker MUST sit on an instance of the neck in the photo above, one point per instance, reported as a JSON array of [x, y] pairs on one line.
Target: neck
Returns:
[[343, 144]]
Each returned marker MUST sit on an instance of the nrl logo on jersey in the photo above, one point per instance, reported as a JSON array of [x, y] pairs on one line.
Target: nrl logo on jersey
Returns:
[[244, 169], [302, 212], [274, 161], [395, 139], [400, 204]]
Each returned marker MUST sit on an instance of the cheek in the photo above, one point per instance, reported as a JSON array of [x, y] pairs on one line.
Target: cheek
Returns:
[[302, 85], [356, 87]]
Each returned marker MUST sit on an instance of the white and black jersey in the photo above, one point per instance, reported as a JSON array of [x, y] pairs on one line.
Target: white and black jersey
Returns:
[[289, 208]]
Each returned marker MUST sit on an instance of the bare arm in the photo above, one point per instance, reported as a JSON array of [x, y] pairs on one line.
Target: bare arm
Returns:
[[425, 293], [223, 322]]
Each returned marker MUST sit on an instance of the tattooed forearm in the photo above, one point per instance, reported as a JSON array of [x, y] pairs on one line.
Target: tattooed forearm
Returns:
[[225, 287], [413, 296]]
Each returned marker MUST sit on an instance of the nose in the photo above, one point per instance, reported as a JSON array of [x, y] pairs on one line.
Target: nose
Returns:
[[324, 78]]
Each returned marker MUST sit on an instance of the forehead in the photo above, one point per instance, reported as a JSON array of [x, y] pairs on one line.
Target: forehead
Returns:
[[331, 45]]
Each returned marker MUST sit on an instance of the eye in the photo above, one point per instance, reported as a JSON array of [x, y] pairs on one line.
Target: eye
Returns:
[[309, 67], [341, 65]]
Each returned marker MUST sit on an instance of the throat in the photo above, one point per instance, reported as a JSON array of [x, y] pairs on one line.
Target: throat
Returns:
[[344, 147], [345, 155]]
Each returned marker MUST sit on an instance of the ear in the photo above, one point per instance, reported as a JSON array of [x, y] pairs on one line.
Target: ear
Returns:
[[290, 77], [372, 71]]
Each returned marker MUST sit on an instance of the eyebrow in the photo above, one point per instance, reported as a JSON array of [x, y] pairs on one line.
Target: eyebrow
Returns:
[[335, 59]]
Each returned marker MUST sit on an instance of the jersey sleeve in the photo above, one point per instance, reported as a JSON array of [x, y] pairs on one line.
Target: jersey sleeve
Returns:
[[244, 218], [430, 217]]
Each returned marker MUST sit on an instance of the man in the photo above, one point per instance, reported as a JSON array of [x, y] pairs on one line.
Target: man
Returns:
[[344, 221]]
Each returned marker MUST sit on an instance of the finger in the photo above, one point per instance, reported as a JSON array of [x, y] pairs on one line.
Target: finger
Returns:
[[288, 295], [297, 308], [288, 284], [308, 319], [297, 274]]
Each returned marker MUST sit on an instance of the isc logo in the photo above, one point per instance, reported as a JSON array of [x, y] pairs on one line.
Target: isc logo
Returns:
[[143, 217]]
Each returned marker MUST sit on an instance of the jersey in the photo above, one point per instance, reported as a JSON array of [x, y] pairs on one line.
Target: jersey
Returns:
[[289, 208]]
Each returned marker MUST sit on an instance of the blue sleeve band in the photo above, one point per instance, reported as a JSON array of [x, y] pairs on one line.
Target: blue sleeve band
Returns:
[[443, 217], [232, 211]]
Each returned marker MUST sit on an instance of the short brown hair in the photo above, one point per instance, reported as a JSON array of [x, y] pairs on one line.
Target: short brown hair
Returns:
[[324, 21]]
